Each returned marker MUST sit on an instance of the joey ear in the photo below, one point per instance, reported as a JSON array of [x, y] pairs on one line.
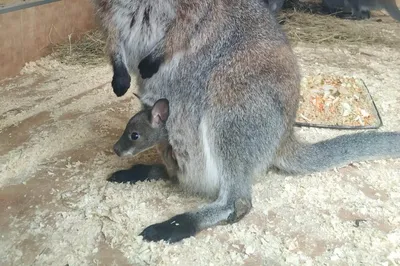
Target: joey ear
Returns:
[[159, 112]]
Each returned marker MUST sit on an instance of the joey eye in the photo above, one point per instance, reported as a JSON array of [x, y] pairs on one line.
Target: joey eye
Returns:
[[135, 136]]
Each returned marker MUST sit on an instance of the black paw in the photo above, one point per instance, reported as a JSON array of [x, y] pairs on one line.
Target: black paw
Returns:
[[149, 66], [173, 230], [139, 172], [121, 84]]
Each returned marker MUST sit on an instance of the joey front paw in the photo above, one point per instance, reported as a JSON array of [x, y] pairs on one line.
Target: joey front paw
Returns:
[[172, 230], [121, 84], [122, 176], [139, 172]]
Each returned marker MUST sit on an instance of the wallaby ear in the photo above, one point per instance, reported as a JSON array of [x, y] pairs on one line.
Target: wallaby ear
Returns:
[[159, 112]]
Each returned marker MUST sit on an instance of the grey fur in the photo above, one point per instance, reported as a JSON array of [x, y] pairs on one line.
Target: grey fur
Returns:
[[232, 82]]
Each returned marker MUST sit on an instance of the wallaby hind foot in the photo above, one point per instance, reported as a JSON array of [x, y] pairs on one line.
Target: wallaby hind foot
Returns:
[[189, 224], [173, 230]]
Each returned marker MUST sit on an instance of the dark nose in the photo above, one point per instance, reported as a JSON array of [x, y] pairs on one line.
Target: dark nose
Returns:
[[116, 150]]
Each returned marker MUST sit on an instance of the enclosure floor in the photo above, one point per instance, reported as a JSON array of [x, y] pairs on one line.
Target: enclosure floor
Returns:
[[57, 127]]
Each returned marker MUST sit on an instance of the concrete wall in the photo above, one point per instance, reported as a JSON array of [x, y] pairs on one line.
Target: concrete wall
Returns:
[[25, 35]]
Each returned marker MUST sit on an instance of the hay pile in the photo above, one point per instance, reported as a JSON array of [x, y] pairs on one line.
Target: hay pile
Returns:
[[87, 50], [300, 26], [327, 29]]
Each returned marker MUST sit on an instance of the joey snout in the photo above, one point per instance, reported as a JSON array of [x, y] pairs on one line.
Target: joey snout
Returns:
[[122, 147], [117, 149]]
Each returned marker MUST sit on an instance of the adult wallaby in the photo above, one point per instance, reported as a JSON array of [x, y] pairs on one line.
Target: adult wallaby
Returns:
[[360, 9], [232, 82], [143, 131]]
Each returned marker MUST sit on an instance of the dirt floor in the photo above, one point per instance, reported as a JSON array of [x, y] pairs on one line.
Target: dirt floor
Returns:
[[57, 127]]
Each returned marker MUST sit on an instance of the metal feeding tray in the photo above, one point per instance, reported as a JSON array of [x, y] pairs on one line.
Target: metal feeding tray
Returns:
[[324, 99]]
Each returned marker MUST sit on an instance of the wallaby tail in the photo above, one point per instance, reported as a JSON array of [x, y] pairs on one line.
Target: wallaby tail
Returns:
[[392, 9], [301, 158]]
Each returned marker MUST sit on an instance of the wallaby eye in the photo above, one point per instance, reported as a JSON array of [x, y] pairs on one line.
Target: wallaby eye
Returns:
[[135, 136]]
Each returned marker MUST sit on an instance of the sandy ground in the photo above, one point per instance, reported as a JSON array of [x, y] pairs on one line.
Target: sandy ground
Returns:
[[57, 127]]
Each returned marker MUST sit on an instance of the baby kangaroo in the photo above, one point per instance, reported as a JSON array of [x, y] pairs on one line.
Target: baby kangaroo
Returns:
[[144, 130]]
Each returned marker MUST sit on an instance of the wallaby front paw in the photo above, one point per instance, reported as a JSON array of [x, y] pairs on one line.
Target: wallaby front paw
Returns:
[[171, 231], [149, 66], [121, 84]]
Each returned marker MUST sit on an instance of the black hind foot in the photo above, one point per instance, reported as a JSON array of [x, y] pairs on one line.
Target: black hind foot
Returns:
[[173, 230], [139, 172]]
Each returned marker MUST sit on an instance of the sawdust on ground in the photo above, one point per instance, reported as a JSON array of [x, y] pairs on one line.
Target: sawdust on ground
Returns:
[[57, 127]]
